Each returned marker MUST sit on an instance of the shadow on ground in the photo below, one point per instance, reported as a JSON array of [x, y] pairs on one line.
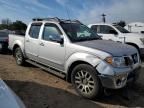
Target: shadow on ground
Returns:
[[36, 95], [6, 52], [41, 96]]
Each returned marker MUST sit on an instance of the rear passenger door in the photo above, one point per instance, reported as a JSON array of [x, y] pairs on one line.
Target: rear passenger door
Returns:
[[32, 41], [51, 52]]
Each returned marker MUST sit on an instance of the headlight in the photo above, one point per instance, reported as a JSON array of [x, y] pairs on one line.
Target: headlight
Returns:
[[142, 40], [116, 61]]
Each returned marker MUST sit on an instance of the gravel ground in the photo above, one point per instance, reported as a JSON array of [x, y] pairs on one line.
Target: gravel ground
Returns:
[[39, 89]]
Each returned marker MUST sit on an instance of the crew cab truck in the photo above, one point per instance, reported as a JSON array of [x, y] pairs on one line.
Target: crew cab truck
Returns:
[[120, 34], [71, 50]]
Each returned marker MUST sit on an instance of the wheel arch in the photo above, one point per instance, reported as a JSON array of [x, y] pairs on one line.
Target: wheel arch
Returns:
[[14, 48], [80, 58], [72, 66], [134, 45]]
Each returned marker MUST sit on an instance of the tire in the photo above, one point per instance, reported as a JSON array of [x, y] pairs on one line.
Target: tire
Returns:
[[86, 81], [19, 56]]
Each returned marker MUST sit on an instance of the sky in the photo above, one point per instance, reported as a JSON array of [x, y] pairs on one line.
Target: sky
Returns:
[[87, 11]]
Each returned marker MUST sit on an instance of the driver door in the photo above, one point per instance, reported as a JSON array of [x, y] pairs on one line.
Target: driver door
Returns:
[[51, 52]]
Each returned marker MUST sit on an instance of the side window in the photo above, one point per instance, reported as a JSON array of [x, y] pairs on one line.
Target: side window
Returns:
[[94, 28], [34, 30], [51, 32], [104, 29]]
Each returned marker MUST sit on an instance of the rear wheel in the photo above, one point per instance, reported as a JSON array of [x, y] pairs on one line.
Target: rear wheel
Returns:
[[19, 56], [86, 82]]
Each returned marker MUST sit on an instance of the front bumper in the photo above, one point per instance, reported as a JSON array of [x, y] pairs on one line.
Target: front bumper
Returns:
[[119, 81]]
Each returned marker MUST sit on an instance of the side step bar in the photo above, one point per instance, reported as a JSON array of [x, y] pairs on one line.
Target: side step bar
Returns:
[[49, 69]]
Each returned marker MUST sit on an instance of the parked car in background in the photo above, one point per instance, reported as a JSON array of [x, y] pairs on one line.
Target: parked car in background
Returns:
[[3, 41], [119, 34], [135, 27], [71, 50], [8, 99]]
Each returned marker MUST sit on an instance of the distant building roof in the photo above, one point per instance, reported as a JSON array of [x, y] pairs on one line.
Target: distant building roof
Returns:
[[135, 27], [138, 24]]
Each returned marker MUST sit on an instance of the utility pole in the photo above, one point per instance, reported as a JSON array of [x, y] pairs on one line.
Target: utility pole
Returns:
[[103, 18]]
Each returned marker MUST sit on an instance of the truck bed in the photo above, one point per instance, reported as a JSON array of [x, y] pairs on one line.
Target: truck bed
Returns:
[[16, 39]]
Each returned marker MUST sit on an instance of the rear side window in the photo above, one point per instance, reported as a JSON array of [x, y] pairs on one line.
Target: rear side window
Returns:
[[34, 30], [104, 29], [94, 28]]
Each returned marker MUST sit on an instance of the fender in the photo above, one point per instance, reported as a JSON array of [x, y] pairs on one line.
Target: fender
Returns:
[[102, 67], [85, 57], [20, 44]]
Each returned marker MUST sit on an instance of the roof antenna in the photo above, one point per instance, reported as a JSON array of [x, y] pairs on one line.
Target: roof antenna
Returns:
[[69, 18], [68, 13]]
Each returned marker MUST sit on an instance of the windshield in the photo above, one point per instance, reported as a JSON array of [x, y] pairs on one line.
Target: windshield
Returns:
[[121, 29], [79, 32]]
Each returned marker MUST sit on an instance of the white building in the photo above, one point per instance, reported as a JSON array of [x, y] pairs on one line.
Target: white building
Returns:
[[137, 27]]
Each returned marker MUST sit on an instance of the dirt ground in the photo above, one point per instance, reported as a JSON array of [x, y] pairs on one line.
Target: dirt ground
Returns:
[[39, 89]]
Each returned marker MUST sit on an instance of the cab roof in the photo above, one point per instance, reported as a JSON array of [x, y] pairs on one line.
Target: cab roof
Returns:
[[55, 19]]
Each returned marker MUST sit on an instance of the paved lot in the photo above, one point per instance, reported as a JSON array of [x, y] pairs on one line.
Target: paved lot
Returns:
[[39, 89]]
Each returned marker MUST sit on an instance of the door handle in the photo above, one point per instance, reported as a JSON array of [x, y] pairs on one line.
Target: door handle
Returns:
[[41, 44]]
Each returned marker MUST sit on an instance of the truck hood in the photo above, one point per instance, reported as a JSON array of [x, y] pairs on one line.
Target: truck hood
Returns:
[[111, 47]]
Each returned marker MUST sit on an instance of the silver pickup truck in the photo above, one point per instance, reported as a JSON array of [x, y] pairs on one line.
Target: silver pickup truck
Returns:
[[71, 50]]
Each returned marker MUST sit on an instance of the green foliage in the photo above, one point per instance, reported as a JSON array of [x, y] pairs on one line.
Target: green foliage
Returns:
[[18, 25]]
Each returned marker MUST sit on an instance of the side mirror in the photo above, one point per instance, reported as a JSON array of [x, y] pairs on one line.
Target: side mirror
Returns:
[[61, 41], [113, 32], [57, 39]]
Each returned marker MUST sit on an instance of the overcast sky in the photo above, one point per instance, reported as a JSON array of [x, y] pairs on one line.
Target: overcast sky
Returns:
[[88, 11]]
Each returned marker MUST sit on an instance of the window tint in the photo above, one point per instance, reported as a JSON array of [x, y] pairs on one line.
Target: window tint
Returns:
[[104, 29], [94, 28], [51, 32], [79, 32], [121, 29], [34, 30]]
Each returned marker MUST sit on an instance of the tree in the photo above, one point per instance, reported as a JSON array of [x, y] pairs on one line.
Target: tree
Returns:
[[121, 23], [18, 25]]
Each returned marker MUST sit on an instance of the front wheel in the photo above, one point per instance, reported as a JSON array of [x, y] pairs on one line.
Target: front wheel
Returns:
[[19, 56], [86, 81]]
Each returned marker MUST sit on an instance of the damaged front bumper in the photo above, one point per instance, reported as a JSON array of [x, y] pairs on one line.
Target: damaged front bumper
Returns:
[[116, 78]]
